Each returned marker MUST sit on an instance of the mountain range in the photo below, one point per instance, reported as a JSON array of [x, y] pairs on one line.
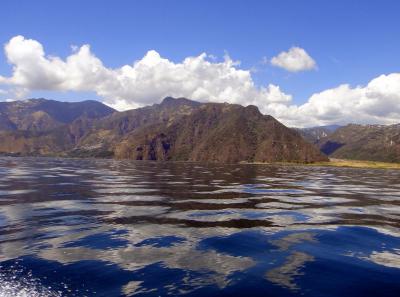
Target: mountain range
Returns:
[[176, 129], [38, 115], [180, 129], [357, 142], [364, 142]]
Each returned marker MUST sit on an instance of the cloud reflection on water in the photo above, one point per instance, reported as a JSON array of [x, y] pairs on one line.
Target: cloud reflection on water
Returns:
[[269, 222]]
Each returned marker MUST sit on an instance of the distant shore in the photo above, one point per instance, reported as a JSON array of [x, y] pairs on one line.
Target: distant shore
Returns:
[[341, 163], [357, 164], [331, 163]]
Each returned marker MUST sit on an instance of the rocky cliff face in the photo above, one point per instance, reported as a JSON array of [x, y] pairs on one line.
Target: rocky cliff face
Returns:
[[177, 129]]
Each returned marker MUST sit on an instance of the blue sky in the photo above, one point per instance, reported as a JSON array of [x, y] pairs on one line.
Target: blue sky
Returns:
[[352, 42]]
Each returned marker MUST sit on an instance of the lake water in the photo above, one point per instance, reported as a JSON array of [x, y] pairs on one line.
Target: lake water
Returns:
[[120, 228]]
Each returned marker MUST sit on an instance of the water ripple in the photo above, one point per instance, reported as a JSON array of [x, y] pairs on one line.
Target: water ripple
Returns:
[[122, 228]]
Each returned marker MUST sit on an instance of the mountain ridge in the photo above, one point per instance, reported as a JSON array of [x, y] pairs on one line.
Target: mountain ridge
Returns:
[[42, 114], [175, 129], [364, 142]]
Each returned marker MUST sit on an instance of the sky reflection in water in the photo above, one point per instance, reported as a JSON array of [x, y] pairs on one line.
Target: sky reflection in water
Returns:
[[121, 228]]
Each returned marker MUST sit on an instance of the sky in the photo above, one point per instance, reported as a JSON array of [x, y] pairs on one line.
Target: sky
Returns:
[[307, 63]]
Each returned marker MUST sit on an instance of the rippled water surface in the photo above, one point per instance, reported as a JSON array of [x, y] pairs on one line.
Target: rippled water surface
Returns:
[[120, 228]]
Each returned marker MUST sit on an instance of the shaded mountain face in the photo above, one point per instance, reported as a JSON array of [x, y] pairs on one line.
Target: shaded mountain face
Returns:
[[44, 115], [176, 129], [316, 134], [364, 142], [219, 133]]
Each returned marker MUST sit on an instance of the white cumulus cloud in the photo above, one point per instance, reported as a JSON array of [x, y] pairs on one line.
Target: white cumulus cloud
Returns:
[[378, 102], [294, 60], [146, 81], [202, 78]]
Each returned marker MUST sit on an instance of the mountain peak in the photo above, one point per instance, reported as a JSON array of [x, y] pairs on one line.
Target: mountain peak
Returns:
[[171, 101], [253, 109]]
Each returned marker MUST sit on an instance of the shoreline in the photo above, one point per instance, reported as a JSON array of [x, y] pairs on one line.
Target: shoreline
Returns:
[[341, 163], [358, 164]]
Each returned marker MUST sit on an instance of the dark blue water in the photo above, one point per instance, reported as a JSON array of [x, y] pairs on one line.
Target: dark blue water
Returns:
[[120, 228]]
